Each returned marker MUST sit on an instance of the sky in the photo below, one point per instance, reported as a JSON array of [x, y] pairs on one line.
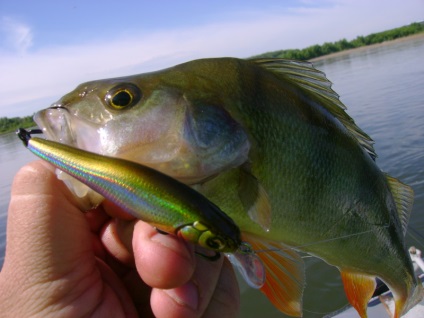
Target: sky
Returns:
[[47, 48]]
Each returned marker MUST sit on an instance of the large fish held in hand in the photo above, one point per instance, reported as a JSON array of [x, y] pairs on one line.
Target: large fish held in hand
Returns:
[[269, 142]]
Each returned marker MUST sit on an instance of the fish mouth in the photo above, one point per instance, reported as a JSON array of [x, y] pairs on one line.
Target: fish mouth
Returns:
[[59, 124], [55, 124]]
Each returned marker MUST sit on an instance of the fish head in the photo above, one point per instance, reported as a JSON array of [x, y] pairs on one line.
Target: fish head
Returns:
[[172, 121]]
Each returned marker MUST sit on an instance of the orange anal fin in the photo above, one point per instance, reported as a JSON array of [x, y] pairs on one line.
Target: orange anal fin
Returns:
[[359, 289], [403, 302], [285, 274], [399, 307]]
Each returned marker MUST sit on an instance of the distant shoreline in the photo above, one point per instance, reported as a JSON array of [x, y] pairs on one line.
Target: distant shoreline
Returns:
[[362, 48]]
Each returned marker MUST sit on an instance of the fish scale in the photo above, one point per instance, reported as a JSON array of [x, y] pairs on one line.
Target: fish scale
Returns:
[[299, 171]]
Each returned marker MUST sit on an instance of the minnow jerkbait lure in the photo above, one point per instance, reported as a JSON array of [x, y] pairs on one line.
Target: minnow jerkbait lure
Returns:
[[165, 203], [147, 194]]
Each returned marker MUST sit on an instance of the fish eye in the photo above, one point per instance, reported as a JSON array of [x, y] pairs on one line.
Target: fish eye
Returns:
[[123, 96]]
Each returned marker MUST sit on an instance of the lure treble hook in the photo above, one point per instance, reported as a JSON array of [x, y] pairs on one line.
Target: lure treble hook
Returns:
[[212, 258], [25, 135]]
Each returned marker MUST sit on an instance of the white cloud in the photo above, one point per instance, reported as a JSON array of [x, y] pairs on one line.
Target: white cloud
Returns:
[[17, 35], [47, 73]]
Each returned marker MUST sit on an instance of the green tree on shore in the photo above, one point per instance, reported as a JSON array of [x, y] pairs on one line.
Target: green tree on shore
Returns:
[[11, 124], [317, 50]]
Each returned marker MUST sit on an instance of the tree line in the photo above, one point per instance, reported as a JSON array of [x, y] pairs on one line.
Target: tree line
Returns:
[[11, 124], [317, 50]]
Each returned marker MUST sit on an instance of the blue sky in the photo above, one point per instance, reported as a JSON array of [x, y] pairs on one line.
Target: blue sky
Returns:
[[49, 47]]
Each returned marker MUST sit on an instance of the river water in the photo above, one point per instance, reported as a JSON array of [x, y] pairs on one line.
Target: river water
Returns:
[[383, 87]]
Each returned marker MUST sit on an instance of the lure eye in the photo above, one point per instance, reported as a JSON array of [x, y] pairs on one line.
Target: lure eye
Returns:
[[199, 234], [215, 243], [123, 96], [209, 240]]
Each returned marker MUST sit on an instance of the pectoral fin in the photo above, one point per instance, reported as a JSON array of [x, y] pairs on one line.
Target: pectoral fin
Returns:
[[285, 274], [254, 199], [359, 289]]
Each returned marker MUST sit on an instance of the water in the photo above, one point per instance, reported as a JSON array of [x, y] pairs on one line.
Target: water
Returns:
[[383, 88]]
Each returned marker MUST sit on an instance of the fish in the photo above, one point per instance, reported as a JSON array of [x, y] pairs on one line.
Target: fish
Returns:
[[271, 144], [165, 203]]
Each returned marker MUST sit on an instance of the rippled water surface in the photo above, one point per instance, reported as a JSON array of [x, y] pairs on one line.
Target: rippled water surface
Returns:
[[383, 88]]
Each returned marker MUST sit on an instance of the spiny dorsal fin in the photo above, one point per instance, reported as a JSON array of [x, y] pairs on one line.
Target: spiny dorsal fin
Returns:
[[404, 199], [315, 83], [285, 274]]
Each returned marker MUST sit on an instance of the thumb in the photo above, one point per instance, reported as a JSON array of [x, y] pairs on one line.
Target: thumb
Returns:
[[47, 235]]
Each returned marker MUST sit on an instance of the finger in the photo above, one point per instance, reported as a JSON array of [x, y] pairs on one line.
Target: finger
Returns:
[[122, 305], [163, 261], [41, 208], [193, 298], [136, 287], [49, 256], [116, 237], [225, 301], [115, 211], [96, 219], [44, 233], [117, 234]]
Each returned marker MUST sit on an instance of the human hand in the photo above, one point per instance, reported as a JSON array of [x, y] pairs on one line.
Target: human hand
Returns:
[[62, 262]]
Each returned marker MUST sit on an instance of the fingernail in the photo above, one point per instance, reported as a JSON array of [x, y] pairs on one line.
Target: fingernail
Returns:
[[185, 295]]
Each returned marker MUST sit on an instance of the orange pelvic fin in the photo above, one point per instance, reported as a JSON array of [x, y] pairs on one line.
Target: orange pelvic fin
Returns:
[[359, 289], [285, 274]]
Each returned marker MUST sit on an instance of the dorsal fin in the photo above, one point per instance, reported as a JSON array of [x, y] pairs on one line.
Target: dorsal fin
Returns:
[[314, 82], [404, 198]]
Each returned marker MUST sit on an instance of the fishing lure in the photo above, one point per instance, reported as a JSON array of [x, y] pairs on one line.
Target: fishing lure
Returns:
[[167, 204]]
